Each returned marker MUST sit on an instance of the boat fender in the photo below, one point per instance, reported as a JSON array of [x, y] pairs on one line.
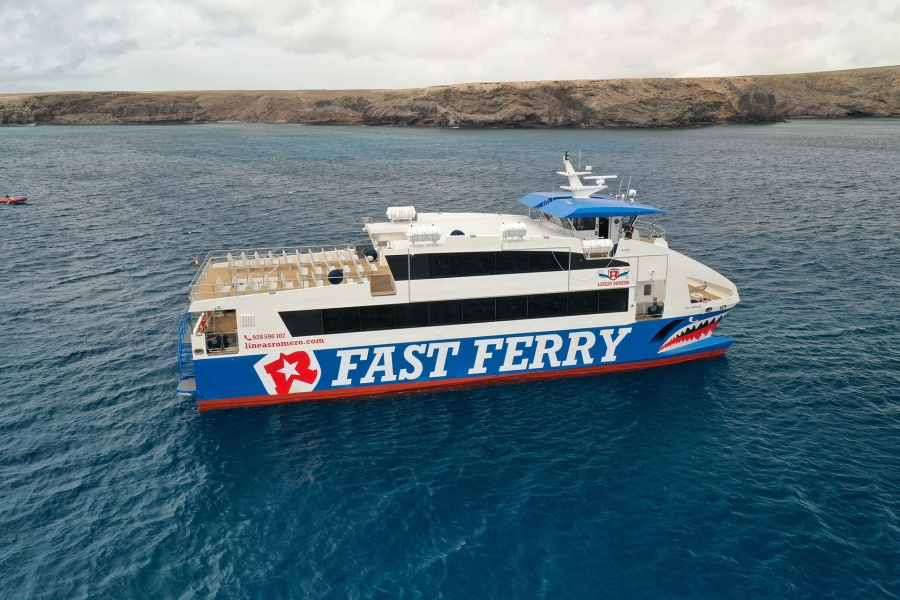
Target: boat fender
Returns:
[[371, 254], [457, 232], [335, 276]]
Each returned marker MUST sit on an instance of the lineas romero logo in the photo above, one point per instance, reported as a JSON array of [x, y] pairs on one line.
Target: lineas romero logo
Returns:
[[289, 373]]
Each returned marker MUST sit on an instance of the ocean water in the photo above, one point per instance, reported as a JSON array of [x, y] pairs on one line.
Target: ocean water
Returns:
[[773, 472]]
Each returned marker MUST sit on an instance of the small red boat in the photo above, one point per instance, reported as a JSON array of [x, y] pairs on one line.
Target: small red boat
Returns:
[[8, 200]]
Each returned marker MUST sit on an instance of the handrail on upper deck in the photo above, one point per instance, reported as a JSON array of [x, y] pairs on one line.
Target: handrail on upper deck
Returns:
[[650, 231], [244, 265]]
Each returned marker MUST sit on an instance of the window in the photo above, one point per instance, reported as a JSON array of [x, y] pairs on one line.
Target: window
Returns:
[[340, 320], [375, 318], [583, 303], [418, 266], [453, 312], [302, 322], [479, 310], [448, 312], [479, 263], [511, 262], [399, 266], [411, 315], [445, 265], [583, 223], [475, 264], [580, 262], [539, 262], [512, 308], [613, 301], [547, 305]]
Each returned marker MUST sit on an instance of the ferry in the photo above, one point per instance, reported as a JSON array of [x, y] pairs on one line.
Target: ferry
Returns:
[[584, 283]]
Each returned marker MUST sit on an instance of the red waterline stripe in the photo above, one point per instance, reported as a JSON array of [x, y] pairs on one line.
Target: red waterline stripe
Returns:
[[380, 391]]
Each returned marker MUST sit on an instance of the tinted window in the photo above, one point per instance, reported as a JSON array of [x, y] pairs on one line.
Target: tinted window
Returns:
[[584, 223], [302, 322], [445, 313], [478, 310], [613, 301], [411, 315], [510, 308], [445, 265], [547, 305], [399, 267], [478, 263], [340, 320], [512, 261], [473, 264], [538, 262], [580, 262], [418, 266], [583, 303], [373, 318]]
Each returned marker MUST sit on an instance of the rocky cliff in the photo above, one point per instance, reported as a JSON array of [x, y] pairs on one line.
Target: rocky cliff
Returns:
[[582, 103]]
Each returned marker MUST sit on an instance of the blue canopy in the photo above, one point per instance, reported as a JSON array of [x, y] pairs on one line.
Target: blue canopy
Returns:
[[567, 207]]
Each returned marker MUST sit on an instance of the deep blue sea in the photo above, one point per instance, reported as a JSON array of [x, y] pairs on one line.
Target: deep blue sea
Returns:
[[773, 472]]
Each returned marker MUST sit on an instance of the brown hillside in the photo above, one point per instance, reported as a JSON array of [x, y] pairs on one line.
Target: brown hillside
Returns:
[[589, 103]]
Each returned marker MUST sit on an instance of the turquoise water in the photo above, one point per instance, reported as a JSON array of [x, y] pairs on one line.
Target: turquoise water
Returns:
[[773, 472]]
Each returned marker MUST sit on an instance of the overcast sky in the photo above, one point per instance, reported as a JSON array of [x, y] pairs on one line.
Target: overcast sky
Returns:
[[56, 45]]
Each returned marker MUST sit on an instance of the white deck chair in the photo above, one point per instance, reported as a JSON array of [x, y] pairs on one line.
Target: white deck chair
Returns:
[[285, 284], [315, 267], [252, 284], [224, 288], [259, 261], [240, 285], [244, 262], [271, 284], [360, 270]]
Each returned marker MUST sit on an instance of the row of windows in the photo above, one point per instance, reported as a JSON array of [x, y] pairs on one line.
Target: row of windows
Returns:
[[453, 312], [472, 264]]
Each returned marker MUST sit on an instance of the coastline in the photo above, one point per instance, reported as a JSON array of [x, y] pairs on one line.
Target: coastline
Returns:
[[641, 103]]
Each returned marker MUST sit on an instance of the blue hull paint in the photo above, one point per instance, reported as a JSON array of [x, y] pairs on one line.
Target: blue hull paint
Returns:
[[452, 361]]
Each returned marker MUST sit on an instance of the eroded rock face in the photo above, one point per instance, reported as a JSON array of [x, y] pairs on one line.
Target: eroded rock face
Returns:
[[582, 103]]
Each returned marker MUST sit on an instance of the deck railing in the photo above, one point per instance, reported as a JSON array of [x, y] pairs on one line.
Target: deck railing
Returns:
[[262, 270], [648, 231]]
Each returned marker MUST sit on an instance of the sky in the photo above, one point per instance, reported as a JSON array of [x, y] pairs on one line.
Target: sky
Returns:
[[159, 45]]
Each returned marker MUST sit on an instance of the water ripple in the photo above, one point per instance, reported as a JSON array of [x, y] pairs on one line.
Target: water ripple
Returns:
[[774, 472]]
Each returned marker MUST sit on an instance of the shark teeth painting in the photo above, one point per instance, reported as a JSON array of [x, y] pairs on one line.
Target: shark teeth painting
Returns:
[[694, 331]]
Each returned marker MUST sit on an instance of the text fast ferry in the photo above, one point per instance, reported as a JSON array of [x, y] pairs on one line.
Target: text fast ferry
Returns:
[[446, 300]]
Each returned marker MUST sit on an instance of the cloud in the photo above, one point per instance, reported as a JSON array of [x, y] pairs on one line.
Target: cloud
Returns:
[[345, 44]]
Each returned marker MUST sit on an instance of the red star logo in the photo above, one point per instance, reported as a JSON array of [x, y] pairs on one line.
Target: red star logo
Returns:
[[289, 367]]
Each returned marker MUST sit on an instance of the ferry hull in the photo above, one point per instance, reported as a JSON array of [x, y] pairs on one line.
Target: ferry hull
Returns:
[[288, 375], [456, 384]]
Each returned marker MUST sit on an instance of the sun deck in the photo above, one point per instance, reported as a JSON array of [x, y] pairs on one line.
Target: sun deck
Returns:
[[241, 272]]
